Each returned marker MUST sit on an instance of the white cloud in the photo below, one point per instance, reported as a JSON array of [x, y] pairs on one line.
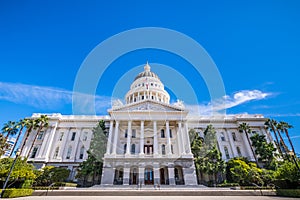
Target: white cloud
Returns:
[[216, 106], [44, 97]]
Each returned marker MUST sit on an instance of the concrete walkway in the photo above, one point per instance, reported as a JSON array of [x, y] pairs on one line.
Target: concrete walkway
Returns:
[[154, 197]]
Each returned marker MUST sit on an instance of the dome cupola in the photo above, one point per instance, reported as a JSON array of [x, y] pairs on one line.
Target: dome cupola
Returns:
[[147, 86]]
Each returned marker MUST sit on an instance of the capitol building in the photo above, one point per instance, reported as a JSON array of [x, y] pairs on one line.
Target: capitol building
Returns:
[[148, 138]]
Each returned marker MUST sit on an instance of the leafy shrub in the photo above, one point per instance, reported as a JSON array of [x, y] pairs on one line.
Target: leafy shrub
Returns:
[[64, 184], [11, 193], [228, 185], [45, 188], [288, 192]]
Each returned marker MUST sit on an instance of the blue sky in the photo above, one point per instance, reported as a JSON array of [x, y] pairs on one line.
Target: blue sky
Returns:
[[254, 44]]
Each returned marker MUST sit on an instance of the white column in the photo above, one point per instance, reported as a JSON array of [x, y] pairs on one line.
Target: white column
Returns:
[[64, 146], [171, 175], [126, 176], [188, 145], [247, 146], [128, 138], [109, 141], [179, 141], [138, 97], [45, 142], [231, 143], [182, 138], [76, 144], [168, 138], [116, 138], [155, 145], [50, 142], [142, 139], [141, 175]]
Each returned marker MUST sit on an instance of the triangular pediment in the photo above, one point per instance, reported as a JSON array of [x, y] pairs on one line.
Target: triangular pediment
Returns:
[[148, 105]]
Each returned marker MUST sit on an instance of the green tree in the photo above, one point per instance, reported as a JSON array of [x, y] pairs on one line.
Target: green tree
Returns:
[[244, 128], [207, 157], [22, 170], [92, 167], [10, 128], [3, 144], [284, 128], [288, 171], [51, 174], [239, 170], [264, 150]]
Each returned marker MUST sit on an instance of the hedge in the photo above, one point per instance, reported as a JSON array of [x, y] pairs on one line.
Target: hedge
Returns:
[[288, 192], [13, 192]]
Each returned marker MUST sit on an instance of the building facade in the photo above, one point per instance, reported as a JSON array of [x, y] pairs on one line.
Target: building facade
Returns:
[[148, 138]]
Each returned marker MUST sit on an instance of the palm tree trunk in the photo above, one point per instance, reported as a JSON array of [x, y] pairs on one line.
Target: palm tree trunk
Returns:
[[32, 144], [254, 155], [284, 146], [277, 141], [293, 149], [17, 139], [26, 139]]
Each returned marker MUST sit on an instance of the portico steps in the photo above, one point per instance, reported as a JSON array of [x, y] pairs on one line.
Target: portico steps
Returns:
[[152, 191]]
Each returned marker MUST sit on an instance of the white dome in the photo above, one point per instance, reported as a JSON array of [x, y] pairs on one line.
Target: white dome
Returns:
[[147, 86]]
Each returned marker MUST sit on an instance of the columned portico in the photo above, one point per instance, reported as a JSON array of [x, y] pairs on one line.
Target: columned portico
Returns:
[[149, 136]]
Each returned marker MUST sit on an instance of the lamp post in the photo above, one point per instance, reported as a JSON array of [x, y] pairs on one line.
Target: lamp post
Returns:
[[10, 171]]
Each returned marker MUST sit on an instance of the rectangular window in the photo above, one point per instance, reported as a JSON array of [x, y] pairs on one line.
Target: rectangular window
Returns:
[[34, 151], [171, 133], [73, 136], [226, 153], [126, 133], [239, 151], [233, 136], [222, 136], [61, 136], [40, 136], [85, 135], [133, 133]]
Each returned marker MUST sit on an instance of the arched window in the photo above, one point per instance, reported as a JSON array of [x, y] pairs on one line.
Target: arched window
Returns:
[[56, 153], [81, 153], [163, 149], [69, 152], [226, 152], [125, 147], [132, 149], [162, 133]]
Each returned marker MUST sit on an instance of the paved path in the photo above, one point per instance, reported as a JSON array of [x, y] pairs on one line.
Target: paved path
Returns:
[[155, 197]]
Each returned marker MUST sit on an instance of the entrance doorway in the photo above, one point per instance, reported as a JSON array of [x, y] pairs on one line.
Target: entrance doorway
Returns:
[[148, 149], [164, 178], [149, 180], [133, 176]]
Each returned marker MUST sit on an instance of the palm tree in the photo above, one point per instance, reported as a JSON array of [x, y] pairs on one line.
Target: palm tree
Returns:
[[41, 122], [271, 125], [244, 127], [30, 125], [10, 128], [21, 124], [285, 126], [279, 128]]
